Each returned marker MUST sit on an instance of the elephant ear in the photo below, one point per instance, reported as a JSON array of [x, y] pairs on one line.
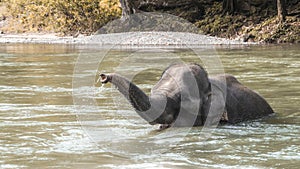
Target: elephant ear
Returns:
[[233, 107], [244, 104]]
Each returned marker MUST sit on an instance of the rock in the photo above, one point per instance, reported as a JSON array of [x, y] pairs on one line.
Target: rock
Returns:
[[248, 38], [148, 21], [191, 10]]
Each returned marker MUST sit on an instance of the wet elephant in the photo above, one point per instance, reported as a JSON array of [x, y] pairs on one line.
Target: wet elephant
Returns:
[[186, 96]]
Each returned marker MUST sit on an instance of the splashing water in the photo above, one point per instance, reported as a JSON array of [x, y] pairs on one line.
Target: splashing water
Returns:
[[99, 89]]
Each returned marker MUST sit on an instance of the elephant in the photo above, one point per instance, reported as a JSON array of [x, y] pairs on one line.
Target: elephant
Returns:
[[185, 96]]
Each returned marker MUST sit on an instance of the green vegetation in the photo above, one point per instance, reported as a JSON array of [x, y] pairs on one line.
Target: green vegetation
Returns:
[[250, 21], [260, 25], [271, 31], [67, 16]]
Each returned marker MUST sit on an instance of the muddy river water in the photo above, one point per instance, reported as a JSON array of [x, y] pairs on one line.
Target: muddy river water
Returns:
[[52, 117]]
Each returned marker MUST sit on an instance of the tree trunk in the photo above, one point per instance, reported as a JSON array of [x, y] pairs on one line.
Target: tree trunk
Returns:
[[281, 10], [127, 8], [229, 6]]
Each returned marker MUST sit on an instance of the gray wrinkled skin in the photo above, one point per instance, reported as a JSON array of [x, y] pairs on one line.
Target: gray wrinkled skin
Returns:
[[185, 96]]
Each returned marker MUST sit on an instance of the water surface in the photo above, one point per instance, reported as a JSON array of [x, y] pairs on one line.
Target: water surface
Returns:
[[42, 126]]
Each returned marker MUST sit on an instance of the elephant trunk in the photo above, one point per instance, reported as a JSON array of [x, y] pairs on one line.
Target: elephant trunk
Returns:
[[149, 108]]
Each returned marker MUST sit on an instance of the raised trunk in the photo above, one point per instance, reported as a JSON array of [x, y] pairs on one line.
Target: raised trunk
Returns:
[[149, 108]]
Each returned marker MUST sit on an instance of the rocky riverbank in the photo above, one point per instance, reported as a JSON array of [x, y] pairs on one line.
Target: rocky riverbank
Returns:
[[128, 38], [251, 21]]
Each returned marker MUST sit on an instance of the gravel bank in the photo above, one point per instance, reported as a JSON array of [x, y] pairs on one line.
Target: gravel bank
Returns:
[[128, 38]]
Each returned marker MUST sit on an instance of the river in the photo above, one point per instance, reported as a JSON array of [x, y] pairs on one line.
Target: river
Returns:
[[51, 117]]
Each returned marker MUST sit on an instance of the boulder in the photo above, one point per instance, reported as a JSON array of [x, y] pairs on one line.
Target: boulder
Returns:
[[191, 10]]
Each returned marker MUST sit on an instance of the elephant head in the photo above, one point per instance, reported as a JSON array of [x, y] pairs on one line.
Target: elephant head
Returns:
[[177, 99]]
